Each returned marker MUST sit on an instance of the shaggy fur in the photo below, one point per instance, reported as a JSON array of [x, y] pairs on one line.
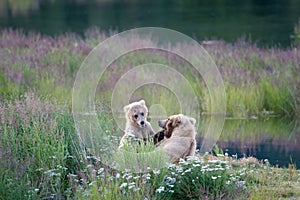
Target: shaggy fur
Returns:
[[181, 132], [137, 127]]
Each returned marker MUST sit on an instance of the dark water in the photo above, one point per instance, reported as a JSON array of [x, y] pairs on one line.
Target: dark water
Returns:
[[267, 22], [275, 139]]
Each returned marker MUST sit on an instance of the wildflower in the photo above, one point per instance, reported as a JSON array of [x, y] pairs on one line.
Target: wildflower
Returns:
[[156, 171], [196, 165], [62, 167], [101, 170], [205, 166], [92, 183], [182, 161], [123, 185], [170, 180], [192, 158], [131, 185], [171, 166], [72, 175], [240, 184], [147, 176], [160, 189], [179, 169]]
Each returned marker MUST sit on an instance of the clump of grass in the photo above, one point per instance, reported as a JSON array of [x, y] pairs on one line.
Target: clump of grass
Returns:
[[97, 182], [139, 157], [36, 149], [196, 178]]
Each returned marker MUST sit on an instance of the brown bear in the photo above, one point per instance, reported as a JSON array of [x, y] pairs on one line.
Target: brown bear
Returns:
[[165, 133], [137, 127], [179, 137]]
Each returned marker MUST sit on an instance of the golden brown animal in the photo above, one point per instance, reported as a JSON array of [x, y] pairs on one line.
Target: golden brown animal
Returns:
[[137, 127], [179, 137]]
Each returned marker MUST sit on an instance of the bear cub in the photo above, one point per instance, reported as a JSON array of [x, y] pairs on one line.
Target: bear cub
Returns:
[[137, 127], [179, 137]]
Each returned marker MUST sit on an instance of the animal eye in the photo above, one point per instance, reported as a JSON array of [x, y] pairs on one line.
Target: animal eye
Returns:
[[135, 116], [142, 114]]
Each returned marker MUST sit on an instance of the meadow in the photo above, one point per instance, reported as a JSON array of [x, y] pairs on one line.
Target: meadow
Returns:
[[41, 156]]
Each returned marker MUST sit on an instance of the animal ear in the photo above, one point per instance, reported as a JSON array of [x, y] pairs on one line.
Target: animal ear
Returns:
[[177, 120], [192, 120], [142, 102], [162, 123], [126, 108]]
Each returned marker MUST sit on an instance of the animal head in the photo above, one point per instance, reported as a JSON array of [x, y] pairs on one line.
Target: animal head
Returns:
[[136, 113], [173, 122]]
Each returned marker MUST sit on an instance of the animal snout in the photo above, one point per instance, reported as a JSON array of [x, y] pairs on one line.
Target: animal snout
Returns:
[[162, 123], [142, 123]]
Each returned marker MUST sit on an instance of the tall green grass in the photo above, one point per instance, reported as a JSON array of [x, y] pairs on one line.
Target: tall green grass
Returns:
[[38, 149], [256, 79], [42, 158]]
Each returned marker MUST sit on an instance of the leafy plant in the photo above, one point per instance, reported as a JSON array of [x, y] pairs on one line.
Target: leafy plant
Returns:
[[196, 178]]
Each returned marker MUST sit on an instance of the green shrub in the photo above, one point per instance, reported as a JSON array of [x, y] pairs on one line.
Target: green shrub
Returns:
[[196, 178]]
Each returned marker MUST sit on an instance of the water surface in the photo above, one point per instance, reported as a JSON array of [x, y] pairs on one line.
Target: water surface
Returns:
[[276, 139], [266, 22]]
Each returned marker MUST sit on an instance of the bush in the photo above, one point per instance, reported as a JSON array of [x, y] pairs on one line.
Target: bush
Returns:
[[196, 178]]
